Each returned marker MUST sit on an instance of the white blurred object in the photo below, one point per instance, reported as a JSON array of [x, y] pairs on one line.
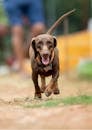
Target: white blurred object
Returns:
[[15, 67], [90, 25], [4, 70]]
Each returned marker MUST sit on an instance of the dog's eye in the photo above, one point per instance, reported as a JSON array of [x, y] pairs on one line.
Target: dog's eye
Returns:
[[49, 42], [50, 46], [38, 46]]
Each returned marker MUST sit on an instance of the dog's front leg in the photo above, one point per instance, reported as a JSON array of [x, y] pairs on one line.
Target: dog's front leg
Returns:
[[53, 85], [37, 88], [56, 89], [43, 84]]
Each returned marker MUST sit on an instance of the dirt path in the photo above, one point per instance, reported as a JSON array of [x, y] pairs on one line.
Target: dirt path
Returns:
[[14, 91]]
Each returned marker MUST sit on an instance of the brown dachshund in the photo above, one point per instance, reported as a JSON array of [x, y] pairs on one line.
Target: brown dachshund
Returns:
[[45, 61]]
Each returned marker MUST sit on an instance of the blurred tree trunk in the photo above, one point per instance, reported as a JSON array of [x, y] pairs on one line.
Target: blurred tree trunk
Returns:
[[85, 13], [91, 8]]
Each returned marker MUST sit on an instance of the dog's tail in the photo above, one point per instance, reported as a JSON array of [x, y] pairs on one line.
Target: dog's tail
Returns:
[[59, 20]]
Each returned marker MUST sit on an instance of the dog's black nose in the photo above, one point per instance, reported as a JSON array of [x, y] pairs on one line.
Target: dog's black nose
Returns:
[[45, 55]]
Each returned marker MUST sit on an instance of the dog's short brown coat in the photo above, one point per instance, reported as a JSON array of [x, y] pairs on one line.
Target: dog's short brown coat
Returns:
[[38, 68]]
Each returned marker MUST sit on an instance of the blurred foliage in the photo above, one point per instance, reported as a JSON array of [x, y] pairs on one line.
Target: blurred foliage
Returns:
[[3, 18], [77, 21], [5, 48]]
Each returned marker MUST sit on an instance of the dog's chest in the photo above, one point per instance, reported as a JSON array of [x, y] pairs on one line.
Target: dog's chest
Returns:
[[45, 70]]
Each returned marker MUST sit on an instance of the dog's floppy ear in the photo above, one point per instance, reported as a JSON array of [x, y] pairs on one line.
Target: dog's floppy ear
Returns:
[[33, 46], [55, 41], [33, 43]]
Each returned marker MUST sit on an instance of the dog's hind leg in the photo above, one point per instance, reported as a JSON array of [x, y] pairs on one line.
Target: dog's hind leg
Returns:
[[43, 84]]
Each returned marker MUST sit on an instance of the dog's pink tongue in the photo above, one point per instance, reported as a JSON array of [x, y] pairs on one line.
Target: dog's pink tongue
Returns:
[[45, 61]]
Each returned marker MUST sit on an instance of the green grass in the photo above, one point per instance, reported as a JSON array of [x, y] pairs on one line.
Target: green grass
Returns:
[[84, 99], [42, 103]]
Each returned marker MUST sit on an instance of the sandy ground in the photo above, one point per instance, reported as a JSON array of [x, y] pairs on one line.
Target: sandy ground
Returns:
[[14, 91]]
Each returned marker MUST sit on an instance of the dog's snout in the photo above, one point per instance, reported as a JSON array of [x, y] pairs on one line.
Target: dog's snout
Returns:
[[45, 55], [45, 48], [45, 51]]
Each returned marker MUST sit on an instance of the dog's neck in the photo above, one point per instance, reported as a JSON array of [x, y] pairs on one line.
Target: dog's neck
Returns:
[[45, 67]]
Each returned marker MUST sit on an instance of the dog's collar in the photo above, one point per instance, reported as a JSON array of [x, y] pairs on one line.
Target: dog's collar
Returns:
[[47, 67]]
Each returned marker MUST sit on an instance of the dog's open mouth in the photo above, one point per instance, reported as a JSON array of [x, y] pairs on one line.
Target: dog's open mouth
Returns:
[[45, 60]]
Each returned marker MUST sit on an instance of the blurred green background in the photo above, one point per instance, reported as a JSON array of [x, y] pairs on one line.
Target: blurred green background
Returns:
[[77, 22]]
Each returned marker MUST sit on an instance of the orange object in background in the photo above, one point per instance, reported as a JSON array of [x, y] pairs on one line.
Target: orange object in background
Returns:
[[73, 48]]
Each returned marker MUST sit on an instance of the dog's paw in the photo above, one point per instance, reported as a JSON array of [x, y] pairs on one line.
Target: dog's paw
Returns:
[[56, 91], [48, 92], [43, 89], [37, 96]]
